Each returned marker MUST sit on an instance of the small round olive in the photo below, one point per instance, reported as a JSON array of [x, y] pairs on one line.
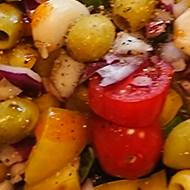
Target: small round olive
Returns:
[[18, 118], [10, 25], [132, 15], [90, 38], [23, 55]]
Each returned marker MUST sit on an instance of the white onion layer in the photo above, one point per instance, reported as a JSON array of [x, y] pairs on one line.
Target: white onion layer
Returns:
[[51, 21], [65, 74], [125, 43], [115, 73]]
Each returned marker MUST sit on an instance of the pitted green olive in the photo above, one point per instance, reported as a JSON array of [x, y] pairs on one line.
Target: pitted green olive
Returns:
[[10, 25], [18, 118], [132, 15]]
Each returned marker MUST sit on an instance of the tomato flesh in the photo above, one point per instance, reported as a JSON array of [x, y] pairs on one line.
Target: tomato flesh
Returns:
[[126, 152], [129, 105]]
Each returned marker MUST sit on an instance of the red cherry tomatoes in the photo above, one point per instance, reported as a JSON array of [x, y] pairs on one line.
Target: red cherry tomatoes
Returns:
[[130, 105], [126, 152]]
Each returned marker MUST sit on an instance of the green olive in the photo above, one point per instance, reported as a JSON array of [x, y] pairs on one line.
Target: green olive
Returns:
[[132, 15], [23, 55], [10, 25], [177, 147], [90, 38], [18, 118]]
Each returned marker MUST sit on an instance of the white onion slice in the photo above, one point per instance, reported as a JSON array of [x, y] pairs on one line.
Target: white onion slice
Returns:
[[49, 87], [87, 185], [65, 74], [180, 8], [170, 53], [125, 43], [179, 65], [9, 155], [111, 57], [16, 171], [115, 73], [6, 185], [8, 90]]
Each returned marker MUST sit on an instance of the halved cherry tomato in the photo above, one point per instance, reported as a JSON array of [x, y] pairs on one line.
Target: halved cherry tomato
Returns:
[[126, 152], [129, 105]]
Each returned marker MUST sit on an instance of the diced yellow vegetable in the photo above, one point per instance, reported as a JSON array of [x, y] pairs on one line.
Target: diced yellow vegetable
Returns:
[[154, 182], [66, 179], [46, 101], [171, 107], [181, 180], [61, 136]]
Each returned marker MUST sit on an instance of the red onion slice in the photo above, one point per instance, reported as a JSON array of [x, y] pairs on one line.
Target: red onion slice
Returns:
[[19, 152], [155, 28], [24, 78], [30, 6], [91, 69], [167, 4], [40, 1]]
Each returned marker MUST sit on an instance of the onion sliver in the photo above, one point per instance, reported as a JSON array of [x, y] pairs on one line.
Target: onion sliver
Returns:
[[8, 90], [125, 43], [24, 78], [115, 73], [66, 74]]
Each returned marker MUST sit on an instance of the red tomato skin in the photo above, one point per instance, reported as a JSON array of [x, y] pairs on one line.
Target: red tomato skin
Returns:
[[137, 111], [126, 152]]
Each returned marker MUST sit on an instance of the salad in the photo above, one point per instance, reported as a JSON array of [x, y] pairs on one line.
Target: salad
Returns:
[[94, 94]]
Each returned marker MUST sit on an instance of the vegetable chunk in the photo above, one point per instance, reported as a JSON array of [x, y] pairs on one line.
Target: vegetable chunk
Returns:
[[61, 136]]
